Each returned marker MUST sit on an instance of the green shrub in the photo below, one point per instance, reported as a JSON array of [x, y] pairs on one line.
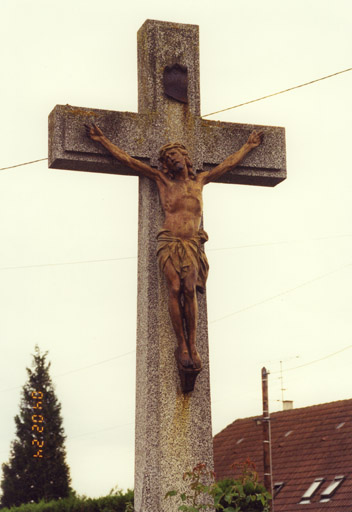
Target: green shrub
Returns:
[[244, 494], [116, 502]]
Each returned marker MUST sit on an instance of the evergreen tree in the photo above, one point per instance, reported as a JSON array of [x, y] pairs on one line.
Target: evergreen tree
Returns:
[[37, 468]]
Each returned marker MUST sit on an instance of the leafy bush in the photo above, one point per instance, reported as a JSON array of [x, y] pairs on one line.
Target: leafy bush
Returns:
[[245, 494], [117, 502]]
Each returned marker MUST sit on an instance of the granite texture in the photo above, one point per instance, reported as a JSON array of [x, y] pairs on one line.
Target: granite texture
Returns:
[[173, 429], [141, 135]]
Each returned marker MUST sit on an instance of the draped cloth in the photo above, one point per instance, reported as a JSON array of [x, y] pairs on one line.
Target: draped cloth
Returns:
[[183, 254]]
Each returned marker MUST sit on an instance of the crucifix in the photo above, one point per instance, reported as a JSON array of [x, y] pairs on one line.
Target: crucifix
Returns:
[[173, 419]]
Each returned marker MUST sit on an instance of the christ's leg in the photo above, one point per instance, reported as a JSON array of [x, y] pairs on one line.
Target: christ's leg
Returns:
[[191, 314], [175, 310]]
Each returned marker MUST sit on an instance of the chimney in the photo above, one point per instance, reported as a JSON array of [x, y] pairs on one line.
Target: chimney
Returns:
[[287, 405]]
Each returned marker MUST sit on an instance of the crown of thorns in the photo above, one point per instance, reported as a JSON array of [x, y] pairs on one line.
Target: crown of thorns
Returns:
[[167, 147]]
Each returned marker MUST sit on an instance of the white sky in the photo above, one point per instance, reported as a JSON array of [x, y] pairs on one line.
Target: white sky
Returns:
[[294, 238]]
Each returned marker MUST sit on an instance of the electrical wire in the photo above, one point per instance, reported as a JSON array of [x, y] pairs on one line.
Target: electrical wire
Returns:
[[279, 92], [68, 263], [68, 438], [101, 430], [287, 370], [280, 294], [277, 243], [95, 364], [283, 371], [247, 246], [224, 109], [212, 321], [314, 361], [25, 163], [78, 369]]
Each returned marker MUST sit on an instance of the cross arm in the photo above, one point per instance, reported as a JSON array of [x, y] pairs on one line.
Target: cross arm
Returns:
[[70, 148], [255, 139], [265, 166], [96, 134]]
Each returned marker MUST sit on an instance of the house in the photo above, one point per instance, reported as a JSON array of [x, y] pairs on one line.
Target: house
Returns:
[[311, 455]]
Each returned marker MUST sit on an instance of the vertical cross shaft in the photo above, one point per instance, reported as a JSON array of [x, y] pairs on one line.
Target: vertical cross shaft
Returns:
[[173, 430]]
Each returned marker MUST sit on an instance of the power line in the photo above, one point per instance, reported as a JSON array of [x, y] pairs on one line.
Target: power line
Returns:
[[25, 163], [223, 110], [78, 369], [279, 294], [287, 370], [68, 263], [279, 92], [68, 438], [103, 260], [277, 243], [101, 430], [95, 364], [314, 361]]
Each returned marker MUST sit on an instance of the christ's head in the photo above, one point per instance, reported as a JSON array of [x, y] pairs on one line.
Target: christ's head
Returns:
[[173, 158]]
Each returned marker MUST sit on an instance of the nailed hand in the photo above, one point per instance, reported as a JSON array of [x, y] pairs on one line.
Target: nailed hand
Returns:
[[94, 132], [255, 138]]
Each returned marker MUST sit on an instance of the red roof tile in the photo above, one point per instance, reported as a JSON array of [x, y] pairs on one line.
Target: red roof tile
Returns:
[[306, 444]]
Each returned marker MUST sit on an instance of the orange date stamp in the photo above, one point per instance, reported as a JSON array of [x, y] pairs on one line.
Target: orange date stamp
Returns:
[[37, 423]]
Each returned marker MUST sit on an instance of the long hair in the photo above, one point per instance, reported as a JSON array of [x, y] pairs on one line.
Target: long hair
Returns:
[[182, 149]]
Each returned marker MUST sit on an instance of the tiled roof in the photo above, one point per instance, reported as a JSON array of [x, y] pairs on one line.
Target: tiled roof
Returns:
[[307, 443]]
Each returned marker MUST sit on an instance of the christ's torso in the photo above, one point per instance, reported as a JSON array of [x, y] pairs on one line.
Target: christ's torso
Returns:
[[182, 203]]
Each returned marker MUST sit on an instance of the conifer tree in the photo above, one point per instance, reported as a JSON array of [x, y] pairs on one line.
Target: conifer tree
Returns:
[[37, 468]]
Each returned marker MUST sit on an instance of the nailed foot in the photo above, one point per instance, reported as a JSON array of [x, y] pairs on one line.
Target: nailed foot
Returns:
[[188, 374], [183, 357], [197, 363]]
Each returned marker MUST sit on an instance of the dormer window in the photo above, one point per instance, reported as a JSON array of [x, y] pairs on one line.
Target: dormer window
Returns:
[[329, 491], [277, 488], [311, 491]]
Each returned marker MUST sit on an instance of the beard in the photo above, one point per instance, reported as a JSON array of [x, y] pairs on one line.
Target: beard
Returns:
[[178, 166]]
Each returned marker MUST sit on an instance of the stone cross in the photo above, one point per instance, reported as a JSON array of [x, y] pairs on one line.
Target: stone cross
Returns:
[[173, 428]]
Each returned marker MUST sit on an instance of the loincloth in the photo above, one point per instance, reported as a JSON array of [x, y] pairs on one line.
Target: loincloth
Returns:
[[184, 253]]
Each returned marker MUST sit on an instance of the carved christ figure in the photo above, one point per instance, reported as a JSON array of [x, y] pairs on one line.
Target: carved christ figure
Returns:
[[180, 241]]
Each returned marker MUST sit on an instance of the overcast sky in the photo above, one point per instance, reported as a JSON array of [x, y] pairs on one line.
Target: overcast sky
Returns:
[[280, 280]]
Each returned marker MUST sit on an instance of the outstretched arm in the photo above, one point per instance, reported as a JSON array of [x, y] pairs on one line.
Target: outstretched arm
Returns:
[[95, 133], [230, 162]]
